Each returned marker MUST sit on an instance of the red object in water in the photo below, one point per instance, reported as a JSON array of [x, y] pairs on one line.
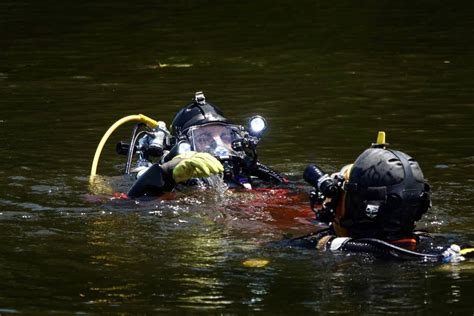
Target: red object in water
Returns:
[[277, 207], [120, 196]]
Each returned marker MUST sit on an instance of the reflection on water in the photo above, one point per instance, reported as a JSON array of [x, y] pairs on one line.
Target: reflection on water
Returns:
[[326, 76]]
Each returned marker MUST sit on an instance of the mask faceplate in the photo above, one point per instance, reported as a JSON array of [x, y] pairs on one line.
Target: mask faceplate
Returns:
[[215, 139]]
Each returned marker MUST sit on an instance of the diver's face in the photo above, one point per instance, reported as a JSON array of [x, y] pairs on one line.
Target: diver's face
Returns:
[[212, 138]]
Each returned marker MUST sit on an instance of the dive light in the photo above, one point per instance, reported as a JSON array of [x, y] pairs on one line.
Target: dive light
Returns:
[[257, 125]]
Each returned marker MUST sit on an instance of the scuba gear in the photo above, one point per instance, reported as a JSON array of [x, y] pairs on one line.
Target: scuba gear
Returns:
[[257, 125], [381, 195], [326, 193], [206, 129], [372, 205], [203, 126], [328, 186], [198, 127], [147, 143], [140, 117], [326, 240], [386, 195], [158, 140]]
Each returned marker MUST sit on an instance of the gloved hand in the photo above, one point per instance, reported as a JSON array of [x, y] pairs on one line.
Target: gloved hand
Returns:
[[452, 254], [195, 165]]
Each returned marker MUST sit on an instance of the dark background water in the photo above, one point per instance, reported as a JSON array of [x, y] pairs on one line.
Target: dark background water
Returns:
[[327, 76]]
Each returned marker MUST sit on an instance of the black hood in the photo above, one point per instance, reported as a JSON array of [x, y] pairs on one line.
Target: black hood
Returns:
[[386, 195]]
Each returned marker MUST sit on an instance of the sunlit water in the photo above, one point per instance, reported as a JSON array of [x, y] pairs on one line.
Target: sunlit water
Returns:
[[326, 77]]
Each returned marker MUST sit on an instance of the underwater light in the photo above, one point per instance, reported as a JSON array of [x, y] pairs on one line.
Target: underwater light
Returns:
[[257, 125]]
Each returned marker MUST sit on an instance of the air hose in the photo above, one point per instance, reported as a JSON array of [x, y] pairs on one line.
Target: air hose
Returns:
[[468, 252], [139, 117], [377, 245], [452, 254]]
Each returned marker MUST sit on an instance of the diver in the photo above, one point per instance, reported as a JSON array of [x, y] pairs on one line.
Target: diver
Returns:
[[202, 143], [372, 206]]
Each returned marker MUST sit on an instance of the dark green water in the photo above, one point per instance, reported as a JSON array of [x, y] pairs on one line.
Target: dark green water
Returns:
[[327, 76]]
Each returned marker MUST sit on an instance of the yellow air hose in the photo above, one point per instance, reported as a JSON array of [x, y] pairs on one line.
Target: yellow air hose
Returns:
[[140, 118], [466, 251]]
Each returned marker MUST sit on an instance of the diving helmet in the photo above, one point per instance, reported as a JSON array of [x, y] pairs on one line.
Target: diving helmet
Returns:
[[202, 127], [198, 112], [385, 194]]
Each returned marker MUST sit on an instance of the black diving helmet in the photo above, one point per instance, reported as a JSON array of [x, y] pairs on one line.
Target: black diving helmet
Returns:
[[199, 112], [386, 194], [202, 127]]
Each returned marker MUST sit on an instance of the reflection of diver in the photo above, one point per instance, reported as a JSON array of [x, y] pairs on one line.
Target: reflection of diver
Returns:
[[202, 142], [372, 206]]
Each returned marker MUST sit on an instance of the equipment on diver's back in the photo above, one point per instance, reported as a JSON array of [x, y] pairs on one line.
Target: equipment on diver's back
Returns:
[[325, 240], [140, 117], [158, 140], [146, 142]]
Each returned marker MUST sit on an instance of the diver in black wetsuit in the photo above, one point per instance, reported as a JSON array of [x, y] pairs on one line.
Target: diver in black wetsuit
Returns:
[[202, 143], [372, 206]]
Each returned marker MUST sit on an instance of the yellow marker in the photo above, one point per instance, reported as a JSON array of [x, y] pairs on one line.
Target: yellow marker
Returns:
[[381, 138], [255, 263]]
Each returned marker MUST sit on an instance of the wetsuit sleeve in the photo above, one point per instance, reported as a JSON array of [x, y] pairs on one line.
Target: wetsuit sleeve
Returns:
[[156, 180], [266, 173]]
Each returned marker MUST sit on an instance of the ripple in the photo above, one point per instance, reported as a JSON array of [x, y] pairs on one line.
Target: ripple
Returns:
[[26, 205], [79, 77]]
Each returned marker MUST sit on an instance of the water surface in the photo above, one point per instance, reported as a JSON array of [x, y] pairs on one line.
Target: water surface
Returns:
[[326, 77]]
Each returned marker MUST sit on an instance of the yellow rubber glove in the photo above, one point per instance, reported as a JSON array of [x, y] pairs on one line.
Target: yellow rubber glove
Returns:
[[196, 165]]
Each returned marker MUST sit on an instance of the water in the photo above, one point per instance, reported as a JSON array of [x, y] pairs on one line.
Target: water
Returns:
[[326, 77]]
